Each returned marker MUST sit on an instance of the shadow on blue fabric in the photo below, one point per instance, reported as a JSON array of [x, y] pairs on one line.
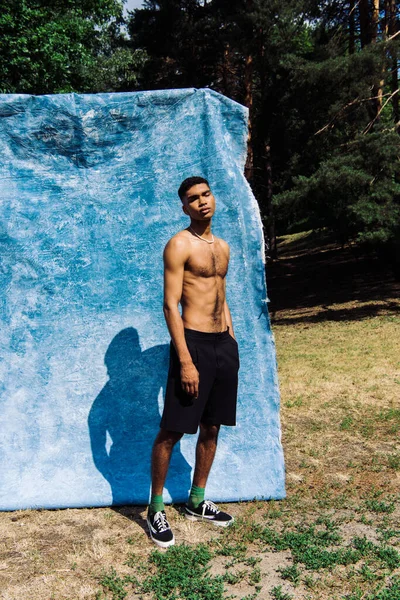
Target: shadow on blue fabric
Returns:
[[125, 416]]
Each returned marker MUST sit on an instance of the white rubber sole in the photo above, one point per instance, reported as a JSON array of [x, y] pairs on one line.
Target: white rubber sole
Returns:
[[159, 543], [206, 520]]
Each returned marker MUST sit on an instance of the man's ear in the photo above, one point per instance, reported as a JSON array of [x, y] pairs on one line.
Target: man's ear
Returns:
[[184, 208]]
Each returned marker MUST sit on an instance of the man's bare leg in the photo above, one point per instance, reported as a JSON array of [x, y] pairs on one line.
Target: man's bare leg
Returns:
[[160, 458], [159, 528], [197, 508], [205, 453]]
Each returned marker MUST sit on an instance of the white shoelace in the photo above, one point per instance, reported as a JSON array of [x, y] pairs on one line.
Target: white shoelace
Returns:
[[210, 505], [160, 520]]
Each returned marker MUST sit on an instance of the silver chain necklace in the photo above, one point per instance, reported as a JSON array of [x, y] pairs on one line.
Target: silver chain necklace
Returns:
[[201, 238]]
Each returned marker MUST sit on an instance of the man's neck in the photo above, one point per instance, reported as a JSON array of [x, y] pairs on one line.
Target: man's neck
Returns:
[[202, 228]]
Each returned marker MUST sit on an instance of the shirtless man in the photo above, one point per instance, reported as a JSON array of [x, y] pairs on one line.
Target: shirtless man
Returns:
[[204, 360]]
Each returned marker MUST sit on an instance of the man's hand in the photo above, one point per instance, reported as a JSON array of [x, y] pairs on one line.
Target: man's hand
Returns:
[[190, 379]]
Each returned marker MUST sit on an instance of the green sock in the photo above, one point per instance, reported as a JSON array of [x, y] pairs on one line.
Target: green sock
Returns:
[[196, 496], [156, 503]]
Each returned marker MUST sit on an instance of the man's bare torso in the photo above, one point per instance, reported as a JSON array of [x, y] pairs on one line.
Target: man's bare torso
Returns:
[[203, 290]]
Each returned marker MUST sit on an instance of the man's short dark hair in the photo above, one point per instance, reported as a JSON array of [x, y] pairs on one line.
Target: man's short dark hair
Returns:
[[188, 183]]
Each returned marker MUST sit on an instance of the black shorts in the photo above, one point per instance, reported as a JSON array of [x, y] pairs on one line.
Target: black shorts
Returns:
[[216, 357]]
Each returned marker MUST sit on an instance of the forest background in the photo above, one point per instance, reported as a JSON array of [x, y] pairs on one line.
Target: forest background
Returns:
[[320, 79]]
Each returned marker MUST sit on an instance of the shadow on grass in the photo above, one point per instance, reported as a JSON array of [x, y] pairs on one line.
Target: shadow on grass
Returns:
[[133, 513], [308, 280]]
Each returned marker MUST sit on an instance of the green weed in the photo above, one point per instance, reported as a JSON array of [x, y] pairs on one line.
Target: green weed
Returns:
[[291, 574], [385, 554], [368, 575], [389, 592], [274, 513], [315, 558], [183, 569], [380, 506], [390, 414], [346, 423], [278, 594], [365, 521], [237, 551], [386, 533], [314, 453], [233, 578], [296, 402], [394, 461], [251, 561], [115, 584], [388, 555], [255, 576], [309, 582]]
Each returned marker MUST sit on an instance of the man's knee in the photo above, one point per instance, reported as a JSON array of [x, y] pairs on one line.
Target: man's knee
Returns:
[[209, 432], [167, 438]]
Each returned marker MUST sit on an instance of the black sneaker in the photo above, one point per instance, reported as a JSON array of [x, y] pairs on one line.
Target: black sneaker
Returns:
[[208, 511], [160, 531]]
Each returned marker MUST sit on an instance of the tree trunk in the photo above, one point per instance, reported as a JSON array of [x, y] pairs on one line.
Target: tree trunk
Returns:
[[390, 10], [352, 29], [270, 209], [378, 88], [365, 30], [374, 21], [248, 101], [225, 71]]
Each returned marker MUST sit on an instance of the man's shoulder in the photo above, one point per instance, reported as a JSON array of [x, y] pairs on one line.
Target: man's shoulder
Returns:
[[179, 243], [182, 238], [223, 243]]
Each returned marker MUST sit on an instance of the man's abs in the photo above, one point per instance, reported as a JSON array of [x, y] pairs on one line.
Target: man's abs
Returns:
[[202, 302]]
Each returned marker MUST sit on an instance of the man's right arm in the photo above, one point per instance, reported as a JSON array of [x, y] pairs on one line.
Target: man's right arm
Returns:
[[175, 256]]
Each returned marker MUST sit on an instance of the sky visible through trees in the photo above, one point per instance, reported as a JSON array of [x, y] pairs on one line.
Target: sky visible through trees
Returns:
[[131, 4]]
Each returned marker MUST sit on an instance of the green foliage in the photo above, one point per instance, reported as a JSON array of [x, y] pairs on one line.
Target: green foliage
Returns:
[[346, 423], [355, 192], [115, 584], [233, 578], [255, 576], [118, 71], [183, 569], [278, 594], [380, 506], [385, 554], [394, 461], [389, 592], [291, 573], [320, 548], [64, 46]]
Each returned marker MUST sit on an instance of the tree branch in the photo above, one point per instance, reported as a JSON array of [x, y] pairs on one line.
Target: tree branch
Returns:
[[341, 111], [370, 124]]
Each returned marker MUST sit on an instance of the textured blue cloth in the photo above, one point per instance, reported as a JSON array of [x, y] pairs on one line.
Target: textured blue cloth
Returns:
[[88, 201]]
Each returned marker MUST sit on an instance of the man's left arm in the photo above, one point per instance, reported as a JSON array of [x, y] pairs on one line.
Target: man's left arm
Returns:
[[228, 318], [227, 312]]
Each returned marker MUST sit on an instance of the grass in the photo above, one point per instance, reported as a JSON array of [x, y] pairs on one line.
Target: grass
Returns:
[[278, 594], [335, 537]]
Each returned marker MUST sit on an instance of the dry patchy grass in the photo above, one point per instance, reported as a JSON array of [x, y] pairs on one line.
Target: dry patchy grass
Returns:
[[340, 384], [337, 329]]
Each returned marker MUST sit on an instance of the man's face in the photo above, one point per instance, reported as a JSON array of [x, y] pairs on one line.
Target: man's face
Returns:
[[199, 203]]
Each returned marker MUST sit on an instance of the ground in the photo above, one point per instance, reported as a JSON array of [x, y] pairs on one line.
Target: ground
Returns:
[[335, 316]]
